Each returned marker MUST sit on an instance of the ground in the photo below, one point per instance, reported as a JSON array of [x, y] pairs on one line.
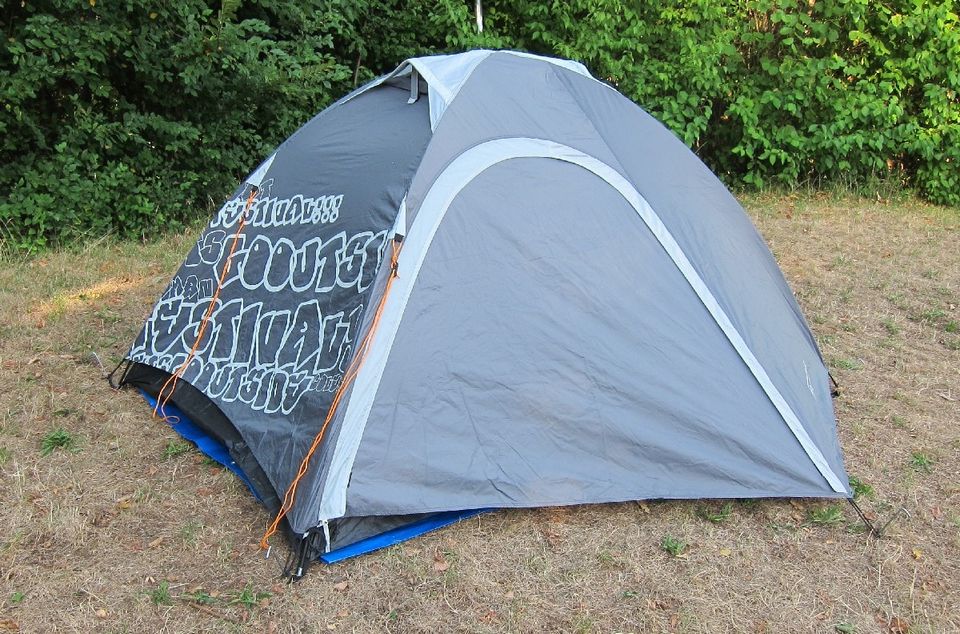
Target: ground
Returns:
[[112, 524]]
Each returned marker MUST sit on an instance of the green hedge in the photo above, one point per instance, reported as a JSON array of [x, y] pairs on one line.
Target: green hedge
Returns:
[[135, 116]]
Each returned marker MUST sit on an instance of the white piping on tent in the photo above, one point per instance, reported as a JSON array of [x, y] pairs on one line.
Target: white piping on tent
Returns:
[[448, 185]]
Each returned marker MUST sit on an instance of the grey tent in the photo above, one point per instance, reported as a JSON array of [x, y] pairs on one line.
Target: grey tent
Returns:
[[520, 289]]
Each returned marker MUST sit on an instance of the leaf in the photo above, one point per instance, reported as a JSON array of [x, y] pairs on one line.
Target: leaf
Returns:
[[725, 552], [896, 625], [917, 553], [440, 563], [341, 586]]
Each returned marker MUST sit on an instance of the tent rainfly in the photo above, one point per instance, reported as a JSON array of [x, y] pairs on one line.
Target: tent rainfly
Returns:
[[485, 280]]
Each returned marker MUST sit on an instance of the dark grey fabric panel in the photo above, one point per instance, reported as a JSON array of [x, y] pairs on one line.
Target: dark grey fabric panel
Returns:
[[508, 96], [552, 354], [285, 324]]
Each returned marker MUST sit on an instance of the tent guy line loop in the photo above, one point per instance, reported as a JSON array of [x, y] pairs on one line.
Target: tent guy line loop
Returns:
[[170, 385], [352, 370]]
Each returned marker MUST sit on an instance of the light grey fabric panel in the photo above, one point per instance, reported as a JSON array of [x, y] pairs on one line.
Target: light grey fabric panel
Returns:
[[552, 354], [725, 248], [707, 222]]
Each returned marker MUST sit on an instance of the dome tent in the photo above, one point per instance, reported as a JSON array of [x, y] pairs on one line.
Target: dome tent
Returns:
[[486, 280]]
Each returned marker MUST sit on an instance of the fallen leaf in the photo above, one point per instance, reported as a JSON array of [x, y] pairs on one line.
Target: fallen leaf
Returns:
[[936, 512], [917, 553], [155, 542], [896, 625], [101, 613], [103, 518], [644, 507], [343, 614], [343, 585], [331, 626], [9, 625], [725, 552], [440, 564]]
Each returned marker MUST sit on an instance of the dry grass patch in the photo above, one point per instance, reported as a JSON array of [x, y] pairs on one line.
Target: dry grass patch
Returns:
[[112, 524]]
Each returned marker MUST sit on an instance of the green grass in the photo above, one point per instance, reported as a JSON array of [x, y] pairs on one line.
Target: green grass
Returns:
[[673, 545], [890, 326], [58, 438], [845, 364], [931, 316], [17, 598], [175, 448], [200, 597], [717, 516], [921, 462], [831, 515], [4, 456], [952, 326], [190, 531], [860, 488], [248, 598], [161, 594]]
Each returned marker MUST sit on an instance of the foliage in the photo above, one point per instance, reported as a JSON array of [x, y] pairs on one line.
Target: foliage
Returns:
[[860, 488], [827, 516], [161, 594], [673, 545], [921, 461], [58, 438], [716, 516], [134, 117]]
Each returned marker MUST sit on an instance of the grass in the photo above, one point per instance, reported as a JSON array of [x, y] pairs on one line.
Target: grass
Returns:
[[161, 594], [890, 326], [845, 364], [200, 597], [175, 448], [716, 516], [673, 545], [99, 528], [860, 488], [831, 515], [921, 461], [248, 597], [58, 438]]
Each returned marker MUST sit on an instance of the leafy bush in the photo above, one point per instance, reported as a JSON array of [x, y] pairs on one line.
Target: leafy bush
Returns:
[[134, 117]]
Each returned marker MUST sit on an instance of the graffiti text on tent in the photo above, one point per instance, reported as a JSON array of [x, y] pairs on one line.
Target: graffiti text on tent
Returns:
[[281, 212], [277, 264], [265, 358]]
